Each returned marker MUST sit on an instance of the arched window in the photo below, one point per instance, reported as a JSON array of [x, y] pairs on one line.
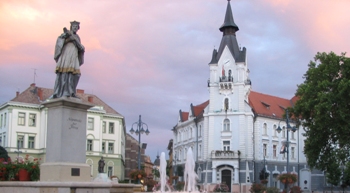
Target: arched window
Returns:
[[200, 131], [226, 104], [274, 130], [265, 129], [191, 132], [226, 125]]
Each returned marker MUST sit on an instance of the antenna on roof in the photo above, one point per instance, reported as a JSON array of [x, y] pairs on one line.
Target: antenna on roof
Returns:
[[34, 74]]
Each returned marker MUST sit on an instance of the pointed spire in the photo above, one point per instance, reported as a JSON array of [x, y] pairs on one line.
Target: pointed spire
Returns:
[[229, 23], [213, 58]]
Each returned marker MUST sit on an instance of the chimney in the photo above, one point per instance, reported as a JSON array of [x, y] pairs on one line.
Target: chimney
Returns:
[[91, 99], [80, 91], [40, 94], [33, 84], [17, 93]]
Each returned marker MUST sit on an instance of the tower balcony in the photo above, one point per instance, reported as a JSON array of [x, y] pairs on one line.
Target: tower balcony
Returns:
[[219, 154]]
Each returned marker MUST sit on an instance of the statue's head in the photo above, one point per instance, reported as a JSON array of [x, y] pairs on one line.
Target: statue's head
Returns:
[[76, 23]]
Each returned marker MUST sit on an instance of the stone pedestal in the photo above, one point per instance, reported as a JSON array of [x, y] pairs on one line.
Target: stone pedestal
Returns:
[[66, 141], [102, 177]]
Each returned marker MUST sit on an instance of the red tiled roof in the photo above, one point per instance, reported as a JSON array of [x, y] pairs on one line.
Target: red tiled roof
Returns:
[[184, 116], [197, 110], [31, 96], [267, 105]]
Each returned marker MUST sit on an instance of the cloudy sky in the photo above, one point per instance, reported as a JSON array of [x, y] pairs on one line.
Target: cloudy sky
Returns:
[[150, 57]]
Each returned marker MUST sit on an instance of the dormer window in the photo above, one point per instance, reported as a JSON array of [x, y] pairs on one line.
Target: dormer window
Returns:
[[265, 104]]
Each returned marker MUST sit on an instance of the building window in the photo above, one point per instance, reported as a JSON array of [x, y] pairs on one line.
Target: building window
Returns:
[[32, 119], [265, 129], [274, 130], [200, 131], [199, 150], [1, 140], [264, 150], [226, 125], [1, 120], [89, 145], [20, 141], [111, 128], [226, 145], [104, 127], [31, 140], [90, 123], [199, 173], [4, 141], [226, 104], [292, 135], [21, 118], [274, 147], [293, 152], [103, 147], [110, 147], [110, 171], [284, 132]]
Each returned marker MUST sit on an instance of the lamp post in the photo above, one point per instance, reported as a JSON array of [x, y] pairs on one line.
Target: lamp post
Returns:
[[286, 149], [139, 131]]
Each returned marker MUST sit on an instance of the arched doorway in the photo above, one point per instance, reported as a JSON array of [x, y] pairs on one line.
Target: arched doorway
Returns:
[[226, 177]]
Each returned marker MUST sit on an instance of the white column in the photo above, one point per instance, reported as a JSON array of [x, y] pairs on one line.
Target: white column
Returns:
[[236, 175], [213, 177]]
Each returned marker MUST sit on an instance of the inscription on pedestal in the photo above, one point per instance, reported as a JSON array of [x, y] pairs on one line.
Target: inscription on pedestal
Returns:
[[75, 172], [74, 123]]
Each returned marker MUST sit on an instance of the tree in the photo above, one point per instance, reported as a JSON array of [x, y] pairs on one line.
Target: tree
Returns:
[[333, 174], [323, 107], [3, 154]]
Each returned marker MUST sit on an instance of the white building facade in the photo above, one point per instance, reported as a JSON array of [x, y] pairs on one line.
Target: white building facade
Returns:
[[234, 134], [24, 124]]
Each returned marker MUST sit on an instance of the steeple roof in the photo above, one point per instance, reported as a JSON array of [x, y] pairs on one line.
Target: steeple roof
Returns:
[[229, 29], [228, 19]]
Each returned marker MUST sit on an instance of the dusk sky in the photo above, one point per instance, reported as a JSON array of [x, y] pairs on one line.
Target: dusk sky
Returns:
[[150, 57]]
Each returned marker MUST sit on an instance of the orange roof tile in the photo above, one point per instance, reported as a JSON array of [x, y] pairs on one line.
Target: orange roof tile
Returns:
[[32, 95], [267, 105], [198, 109]]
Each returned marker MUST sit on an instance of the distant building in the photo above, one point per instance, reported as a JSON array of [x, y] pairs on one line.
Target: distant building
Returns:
[[131, 156], [24, 124], [234, 135]]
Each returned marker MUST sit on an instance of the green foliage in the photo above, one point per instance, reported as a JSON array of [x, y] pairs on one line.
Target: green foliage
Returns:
[[295, 189], [9, 169], [272, 190], [156, 172], [333, 173], [323, 108], [3, 153], [263, 175], [180, 170], [257, 188], [179, 186]]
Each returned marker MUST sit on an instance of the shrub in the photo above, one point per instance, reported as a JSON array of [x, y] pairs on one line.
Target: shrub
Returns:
[[257, 188], [272, 190]]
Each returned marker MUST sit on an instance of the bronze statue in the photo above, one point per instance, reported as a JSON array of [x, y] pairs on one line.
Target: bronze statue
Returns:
[[69, 56], [101, 165]]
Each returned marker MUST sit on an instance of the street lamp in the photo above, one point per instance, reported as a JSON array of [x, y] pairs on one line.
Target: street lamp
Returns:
[[139, 131], [286, 149]]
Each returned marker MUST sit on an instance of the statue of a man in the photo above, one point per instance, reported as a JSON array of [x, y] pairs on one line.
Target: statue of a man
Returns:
[[101, 165], [69, 56]]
